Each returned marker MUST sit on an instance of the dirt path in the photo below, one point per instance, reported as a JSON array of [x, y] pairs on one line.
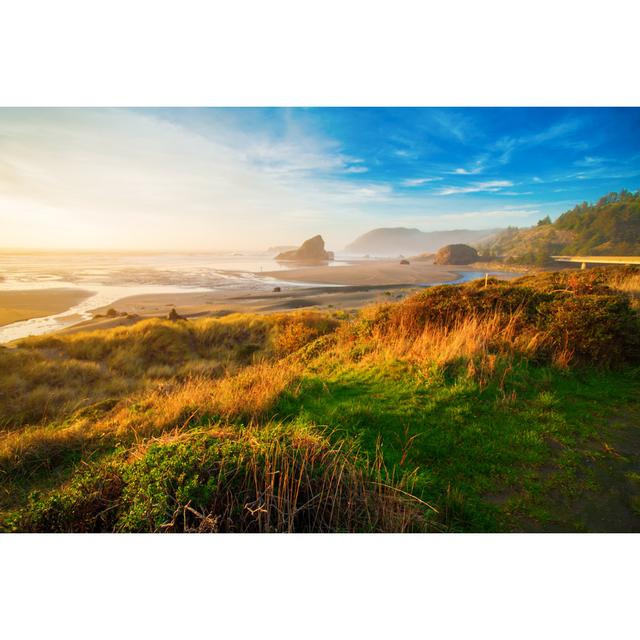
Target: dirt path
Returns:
[[605, 495]]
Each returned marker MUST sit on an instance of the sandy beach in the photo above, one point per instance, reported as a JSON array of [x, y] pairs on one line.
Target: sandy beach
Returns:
[[24, 305], [344, 287], [374, 272], [341, 288]]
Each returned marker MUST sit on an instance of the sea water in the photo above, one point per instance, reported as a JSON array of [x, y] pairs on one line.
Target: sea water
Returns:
[[112, 276]]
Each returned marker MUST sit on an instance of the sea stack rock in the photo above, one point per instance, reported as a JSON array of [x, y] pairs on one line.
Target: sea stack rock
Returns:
[[456, 254], [311, 250]]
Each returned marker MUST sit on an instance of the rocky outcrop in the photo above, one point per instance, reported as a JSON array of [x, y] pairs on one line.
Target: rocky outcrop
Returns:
[[311, 250], [456, 254]]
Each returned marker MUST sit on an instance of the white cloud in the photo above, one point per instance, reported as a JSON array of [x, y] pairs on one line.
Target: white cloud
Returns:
[[461, 171], [490, 186], [590, 161], [416, 182], [556, 133], [105, 178], [356, 169], [477, 166]]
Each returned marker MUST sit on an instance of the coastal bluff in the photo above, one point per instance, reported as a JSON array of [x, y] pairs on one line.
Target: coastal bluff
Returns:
[[456, 254], [311, 250]]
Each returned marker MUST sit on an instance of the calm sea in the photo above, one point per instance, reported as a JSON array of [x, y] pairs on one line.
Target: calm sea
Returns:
[[111, 276]]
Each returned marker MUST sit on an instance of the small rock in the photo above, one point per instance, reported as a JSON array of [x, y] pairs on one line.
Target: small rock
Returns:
[[404, 262], [174, 315], [277, 289]]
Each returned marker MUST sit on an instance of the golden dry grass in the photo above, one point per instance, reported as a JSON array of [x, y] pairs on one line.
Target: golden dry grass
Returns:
[[627, 282], [246, 395], [50, 377], [69, 398], [86, 392]]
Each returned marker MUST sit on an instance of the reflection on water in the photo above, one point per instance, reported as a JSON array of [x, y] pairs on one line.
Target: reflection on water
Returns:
[[190, 270], [111, 277], [104, 295]]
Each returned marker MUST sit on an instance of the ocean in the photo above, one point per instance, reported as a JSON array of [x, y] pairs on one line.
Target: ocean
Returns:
[[111, 276]]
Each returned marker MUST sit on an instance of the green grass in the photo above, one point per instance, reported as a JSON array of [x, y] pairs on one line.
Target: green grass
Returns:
[[507, 407], [477, 452]]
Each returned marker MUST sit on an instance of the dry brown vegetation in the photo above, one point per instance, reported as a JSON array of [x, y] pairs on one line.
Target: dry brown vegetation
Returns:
[[175, 420], [48, 377]]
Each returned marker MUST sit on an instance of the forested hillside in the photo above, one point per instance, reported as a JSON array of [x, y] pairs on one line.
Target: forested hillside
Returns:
[[611, 226]]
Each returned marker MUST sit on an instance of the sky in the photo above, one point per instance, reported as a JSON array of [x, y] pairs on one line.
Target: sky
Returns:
[[250, 178]]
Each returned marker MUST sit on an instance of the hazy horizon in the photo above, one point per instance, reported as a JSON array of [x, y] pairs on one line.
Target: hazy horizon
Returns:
[[216, 179]]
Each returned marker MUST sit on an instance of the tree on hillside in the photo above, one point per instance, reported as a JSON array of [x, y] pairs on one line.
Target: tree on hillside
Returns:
[[610, 226]]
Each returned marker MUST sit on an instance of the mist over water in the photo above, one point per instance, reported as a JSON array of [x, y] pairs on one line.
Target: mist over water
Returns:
[[38, 270], [112, 276]]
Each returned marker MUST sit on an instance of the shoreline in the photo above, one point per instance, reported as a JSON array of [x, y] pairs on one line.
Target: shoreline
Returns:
[[30, 304], [344, 288], [373, 272]]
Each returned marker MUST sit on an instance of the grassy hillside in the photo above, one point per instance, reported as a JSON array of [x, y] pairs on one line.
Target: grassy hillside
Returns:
[[510, 406], [609, 227]]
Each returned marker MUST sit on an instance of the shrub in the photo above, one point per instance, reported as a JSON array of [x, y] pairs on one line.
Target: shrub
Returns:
[[552, 315], [275, 479], [602, 329]]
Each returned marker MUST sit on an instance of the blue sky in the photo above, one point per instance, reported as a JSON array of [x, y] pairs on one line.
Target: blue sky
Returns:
[[245, 178]]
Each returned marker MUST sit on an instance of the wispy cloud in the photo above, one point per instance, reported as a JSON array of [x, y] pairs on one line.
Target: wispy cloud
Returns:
[[557, 133], [490, 186], [416, 182], [476, 167], [452, 125], [78, 175], [590, 161], [356, 169], [461, 171]]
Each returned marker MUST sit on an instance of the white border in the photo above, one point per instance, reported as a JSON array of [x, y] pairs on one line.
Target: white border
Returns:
[[303, 53], [332, 586], [288, 53]]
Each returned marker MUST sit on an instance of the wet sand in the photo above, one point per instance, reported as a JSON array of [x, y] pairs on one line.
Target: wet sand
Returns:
[[335, 288], [374, 272], [343, 287], [214, 304], [37, 303]]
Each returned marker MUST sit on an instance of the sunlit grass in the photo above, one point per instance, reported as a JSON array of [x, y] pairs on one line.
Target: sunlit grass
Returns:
[[417, 414]]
